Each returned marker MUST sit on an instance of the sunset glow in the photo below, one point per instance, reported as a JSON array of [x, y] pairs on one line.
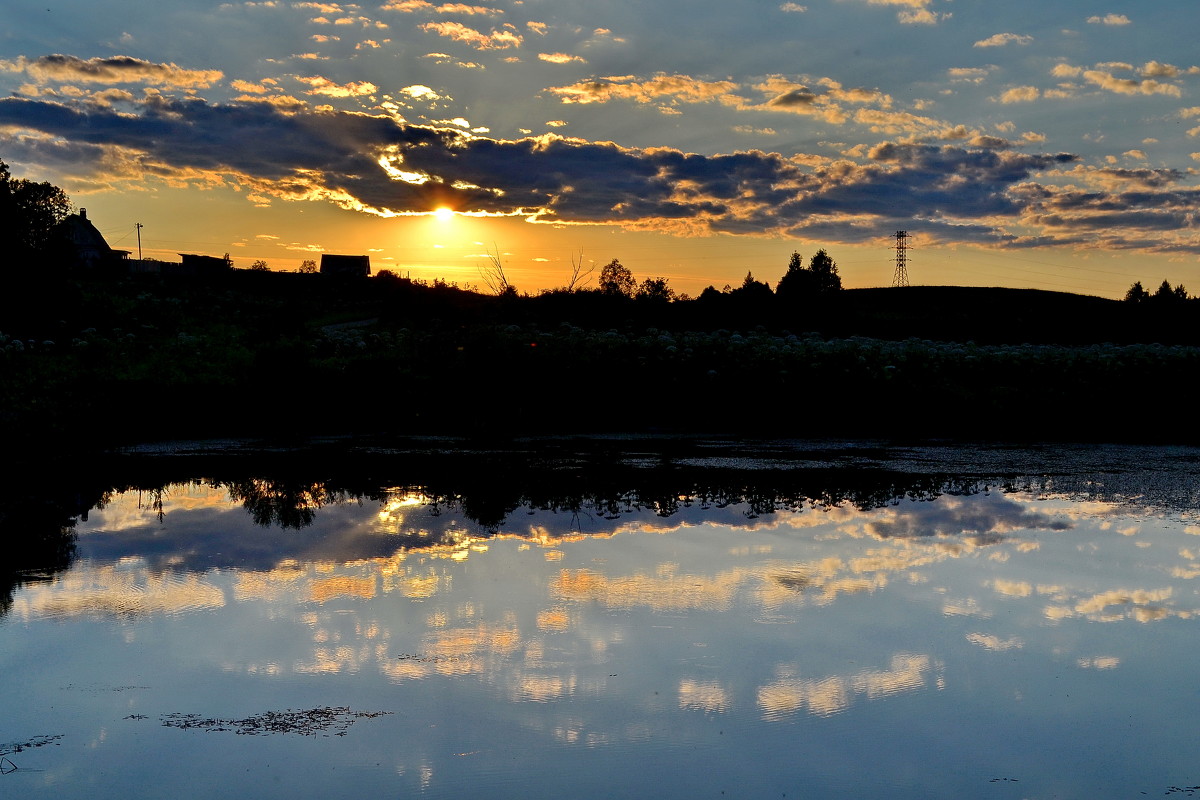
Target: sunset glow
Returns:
[[1054, 146]]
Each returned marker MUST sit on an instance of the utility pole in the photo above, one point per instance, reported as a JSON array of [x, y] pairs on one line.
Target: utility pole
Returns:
[[139, 233], [901, 276]]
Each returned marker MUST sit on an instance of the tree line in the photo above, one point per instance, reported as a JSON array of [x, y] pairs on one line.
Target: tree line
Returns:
[[1165, 293], [819, 277]]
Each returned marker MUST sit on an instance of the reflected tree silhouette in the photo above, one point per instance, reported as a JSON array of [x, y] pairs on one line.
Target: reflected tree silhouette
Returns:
[[39, 541], [597, 490], [287, 503]]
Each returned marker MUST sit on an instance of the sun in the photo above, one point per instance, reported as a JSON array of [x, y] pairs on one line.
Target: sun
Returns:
[[443, 214]]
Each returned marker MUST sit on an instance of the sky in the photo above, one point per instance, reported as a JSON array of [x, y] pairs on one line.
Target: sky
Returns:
[[1049, 145]]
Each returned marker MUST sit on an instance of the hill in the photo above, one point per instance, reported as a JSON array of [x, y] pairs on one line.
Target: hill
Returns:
[[983, 314]]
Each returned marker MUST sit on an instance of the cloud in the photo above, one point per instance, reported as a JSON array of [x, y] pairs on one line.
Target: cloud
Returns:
[[678, 88], [826, 98], [1109, 19], [1020, 94], [920, 17], [793, 8], [496, 40], [327, 88], [446, 58], [974, 190], [116, 69], [970, 74], [560, 58], [1103, 75], [1153, 69], [463, 8], [414, 6], [751, 130], [1106, 80], [419, 91], [913, 12], [1002, 39]]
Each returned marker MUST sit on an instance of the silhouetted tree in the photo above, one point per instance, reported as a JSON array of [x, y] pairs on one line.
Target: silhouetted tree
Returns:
[[260, 266], [494, 277], [580, 277], [753, 291], [825, 272], [1166, 294], [29, 212], [796, 282], [819, 277], [1136, 293], [616, 279], [308, 267], [655, 289]]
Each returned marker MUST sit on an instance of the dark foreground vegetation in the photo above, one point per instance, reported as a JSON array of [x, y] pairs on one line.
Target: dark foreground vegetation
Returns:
[[103, 358]]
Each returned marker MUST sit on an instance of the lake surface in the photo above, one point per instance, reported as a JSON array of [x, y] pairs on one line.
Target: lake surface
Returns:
[[726, 622]]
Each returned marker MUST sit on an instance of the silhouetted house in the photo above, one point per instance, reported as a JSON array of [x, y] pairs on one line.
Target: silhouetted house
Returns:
[[198, 266], [149, 266], [85, 246], [346, 266]]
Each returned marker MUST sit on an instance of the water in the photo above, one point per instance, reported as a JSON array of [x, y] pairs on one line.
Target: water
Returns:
[[919, 633]]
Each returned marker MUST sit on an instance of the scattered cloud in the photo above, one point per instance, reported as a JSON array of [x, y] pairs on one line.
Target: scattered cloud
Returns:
[[1109, 19], [446, 58], [921, 17], [1002, 39], [793, 8], [560, 58], [117, 69], [913, 12], [753, 131], [419, 91], [1020, 94], [326, 87], [1146, 83], [496, 40], [414, 6], [970, 74], [264, 86], [679, 88]]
